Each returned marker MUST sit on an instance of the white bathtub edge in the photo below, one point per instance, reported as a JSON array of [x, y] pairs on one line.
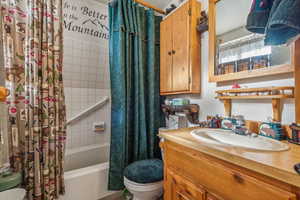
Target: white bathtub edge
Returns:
[[85, 171], [85, 148]]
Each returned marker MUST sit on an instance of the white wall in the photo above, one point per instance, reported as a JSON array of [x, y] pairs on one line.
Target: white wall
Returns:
[[252, 109], [86, 75]]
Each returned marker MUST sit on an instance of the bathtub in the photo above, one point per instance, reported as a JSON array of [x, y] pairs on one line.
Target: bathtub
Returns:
[[86, 173]]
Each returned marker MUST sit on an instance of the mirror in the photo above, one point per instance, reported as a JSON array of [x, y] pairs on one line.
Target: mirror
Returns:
[[238, 53]]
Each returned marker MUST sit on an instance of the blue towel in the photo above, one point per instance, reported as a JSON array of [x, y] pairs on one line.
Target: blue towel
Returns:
[[284, 22], [279, 20], [259, 15]]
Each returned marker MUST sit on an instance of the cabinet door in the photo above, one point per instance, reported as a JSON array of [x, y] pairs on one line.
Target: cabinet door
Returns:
[[182, 189], [166, 47], [181, 32]]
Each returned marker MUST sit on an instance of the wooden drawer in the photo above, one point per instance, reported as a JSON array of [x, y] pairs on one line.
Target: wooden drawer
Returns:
[[220, 180]]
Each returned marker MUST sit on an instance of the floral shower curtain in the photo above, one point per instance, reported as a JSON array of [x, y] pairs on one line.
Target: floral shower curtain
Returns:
[[32, 38]]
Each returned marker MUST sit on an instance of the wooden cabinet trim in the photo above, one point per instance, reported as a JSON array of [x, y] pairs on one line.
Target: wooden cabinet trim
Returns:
[[181, 37], [195, 48], [167, 61]]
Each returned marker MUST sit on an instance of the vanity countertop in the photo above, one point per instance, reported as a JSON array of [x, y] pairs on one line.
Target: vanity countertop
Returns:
[[278, 165]]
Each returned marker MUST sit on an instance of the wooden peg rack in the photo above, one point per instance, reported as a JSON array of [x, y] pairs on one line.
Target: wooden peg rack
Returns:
[[276, 94]]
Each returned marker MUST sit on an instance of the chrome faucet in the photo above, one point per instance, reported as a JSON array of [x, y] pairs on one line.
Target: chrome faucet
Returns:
[[240, 127]]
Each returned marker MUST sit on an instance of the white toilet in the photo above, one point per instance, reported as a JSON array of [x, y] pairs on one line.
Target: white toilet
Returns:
[[144, 179], [149, 191]]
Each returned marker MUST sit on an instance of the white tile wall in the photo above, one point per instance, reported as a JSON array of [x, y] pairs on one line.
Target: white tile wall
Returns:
[[3, 111], [86, 81], [81, 133]]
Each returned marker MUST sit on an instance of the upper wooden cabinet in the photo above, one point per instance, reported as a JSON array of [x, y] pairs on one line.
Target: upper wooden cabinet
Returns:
[[180, 51]]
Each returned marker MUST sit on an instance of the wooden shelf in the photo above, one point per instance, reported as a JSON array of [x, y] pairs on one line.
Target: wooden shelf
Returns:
[[269, 71], [257, 97], [273, 93], [263, 89]]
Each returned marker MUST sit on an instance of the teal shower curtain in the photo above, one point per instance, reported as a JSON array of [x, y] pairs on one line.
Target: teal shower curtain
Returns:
[[134, 69]]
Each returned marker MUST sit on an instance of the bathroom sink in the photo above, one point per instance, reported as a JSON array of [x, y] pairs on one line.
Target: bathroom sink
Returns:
[[14, 194], [229, 138]]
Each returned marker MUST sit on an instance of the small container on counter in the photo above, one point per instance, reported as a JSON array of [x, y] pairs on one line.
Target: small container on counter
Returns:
[[228, 123], [295, 134], [180, 102], [272, 130]]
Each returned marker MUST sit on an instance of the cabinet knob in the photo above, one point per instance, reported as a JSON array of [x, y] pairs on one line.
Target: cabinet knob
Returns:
[[170, 53], [238, 178], [173, 51]]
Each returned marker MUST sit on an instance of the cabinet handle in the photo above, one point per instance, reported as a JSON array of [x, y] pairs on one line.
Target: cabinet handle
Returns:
[[170, 53], [238, 178], [173, 52]]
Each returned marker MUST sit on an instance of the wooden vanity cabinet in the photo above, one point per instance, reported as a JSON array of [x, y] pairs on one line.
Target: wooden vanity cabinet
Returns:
[[192, 175], [180, 51]]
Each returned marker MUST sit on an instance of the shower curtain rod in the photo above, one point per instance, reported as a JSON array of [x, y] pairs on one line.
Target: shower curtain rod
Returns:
[[143, 3], [150, 6]]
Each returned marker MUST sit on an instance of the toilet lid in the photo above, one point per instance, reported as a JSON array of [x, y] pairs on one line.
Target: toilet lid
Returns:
[[145, 171]]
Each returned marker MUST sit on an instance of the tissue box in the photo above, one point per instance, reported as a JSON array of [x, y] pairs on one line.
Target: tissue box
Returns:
[[177, 122]]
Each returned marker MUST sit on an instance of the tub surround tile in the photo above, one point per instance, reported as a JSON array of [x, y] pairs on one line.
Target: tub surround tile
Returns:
[[86, 79]]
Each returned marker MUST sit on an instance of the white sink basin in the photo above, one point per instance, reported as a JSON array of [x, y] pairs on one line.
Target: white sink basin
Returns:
[[14, 194], [228, 138]]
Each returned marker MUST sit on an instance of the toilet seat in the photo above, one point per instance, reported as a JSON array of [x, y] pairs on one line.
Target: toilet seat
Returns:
[[130, 185], [144, 179]]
